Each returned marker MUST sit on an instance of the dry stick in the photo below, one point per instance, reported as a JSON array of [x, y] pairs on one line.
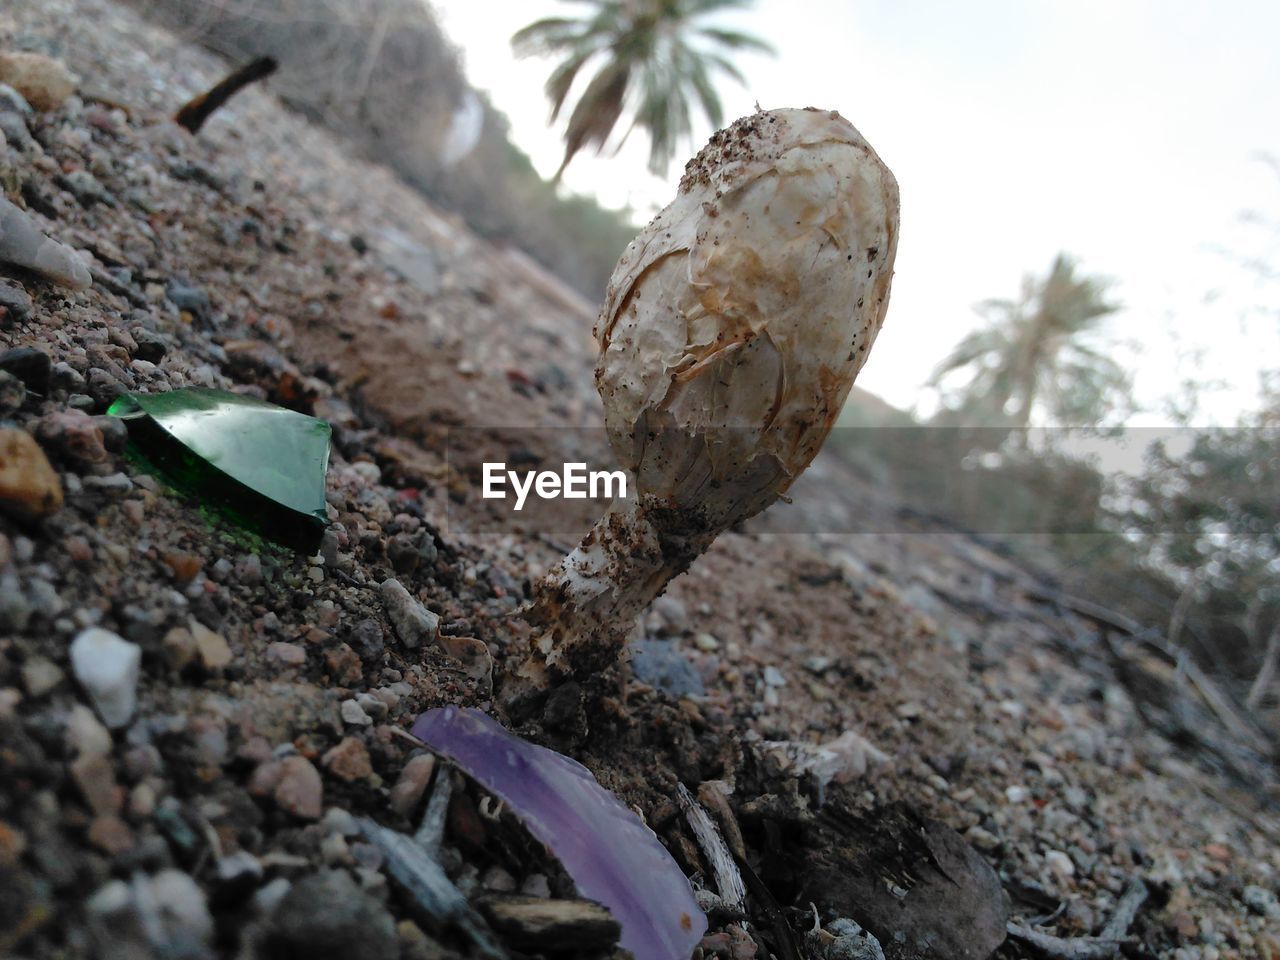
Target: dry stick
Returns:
[[436, 899], [430, 832], [727, 877], [1182, 607], [199, 109], [1267, 673], [1089, 948], [1065, 948], [1131, 901]]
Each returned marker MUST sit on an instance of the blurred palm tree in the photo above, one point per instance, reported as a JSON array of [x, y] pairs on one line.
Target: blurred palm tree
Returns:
[[657, 54], [1035, 354]]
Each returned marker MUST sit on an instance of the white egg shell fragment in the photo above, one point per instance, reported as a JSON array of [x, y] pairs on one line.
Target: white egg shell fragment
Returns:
[[735, 323]]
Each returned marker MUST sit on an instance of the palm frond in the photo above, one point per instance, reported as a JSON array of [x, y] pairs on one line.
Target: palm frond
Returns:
[[549, 35], [724, 65], [649, 60], [990, 341], [706, 92], [597, 112], [737, 40], [561, 80]]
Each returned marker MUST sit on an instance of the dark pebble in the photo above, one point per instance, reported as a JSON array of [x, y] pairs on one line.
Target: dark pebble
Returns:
[[68, 378], [31, 365], [115, 434], [329, 548], [191, 299], [327, 915], [403, 552], [15, 130], [12, 394], [150, 345], [104, 388], [15, 300], [366, 640], [661, 665], [11, 101]]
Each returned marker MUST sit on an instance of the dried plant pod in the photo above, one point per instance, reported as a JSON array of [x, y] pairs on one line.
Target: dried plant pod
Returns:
[[732, 330]]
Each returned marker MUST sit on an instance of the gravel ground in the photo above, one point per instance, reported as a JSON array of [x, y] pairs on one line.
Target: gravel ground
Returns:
[[186, 785]]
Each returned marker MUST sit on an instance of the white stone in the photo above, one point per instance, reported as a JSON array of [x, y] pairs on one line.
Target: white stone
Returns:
[[354, 714], [107, 666], [1060, 864]]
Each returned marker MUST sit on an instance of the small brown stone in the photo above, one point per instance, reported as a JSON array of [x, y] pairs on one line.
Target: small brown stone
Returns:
[[408, 791], [179, 648], [43, 82], [72, 436], [1185, 924], [29, 487], [349, 760], [12, 844], [185, 566], [300, 790], [471, 654], [265, 778], [1218, 851], [286, 654], [343, 665], [96, 779], [215, 652], [111, 835]]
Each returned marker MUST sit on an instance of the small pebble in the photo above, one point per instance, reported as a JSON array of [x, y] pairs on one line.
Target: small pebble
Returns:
[[412, 784], [1060, 864], [349, 760], [353, 714], [299, 790], [40, 675], [107, 666], [31, 365]]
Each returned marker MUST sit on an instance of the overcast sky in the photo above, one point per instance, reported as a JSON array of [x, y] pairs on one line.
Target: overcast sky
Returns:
[[1125, 132]]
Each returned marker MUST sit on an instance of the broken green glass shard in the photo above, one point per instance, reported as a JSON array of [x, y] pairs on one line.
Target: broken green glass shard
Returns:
[[260, 464]]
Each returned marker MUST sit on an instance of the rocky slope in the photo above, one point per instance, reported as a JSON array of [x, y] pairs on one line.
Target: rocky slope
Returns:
[[215, 816]]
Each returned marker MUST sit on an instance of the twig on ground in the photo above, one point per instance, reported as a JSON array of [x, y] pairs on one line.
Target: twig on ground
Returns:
[[1131, 901], [1065, 948], [198, 109], [1108, 945], [430, 832], [436, 900], [724, 871]]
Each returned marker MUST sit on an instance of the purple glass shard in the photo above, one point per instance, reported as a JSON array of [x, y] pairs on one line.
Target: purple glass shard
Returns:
[[612, 857]]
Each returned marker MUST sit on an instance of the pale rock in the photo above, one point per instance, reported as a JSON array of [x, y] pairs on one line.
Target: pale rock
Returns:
[[412, 784], [215, 652], [107, 666], [414, 624], [40, 675]]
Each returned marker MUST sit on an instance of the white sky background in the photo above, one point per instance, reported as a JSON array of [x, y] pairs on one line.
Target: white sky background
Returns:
[[1124, 132]]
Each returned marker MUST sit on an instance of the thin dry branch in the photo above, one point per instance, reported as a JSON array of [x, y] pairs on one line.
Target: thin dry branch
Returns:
[[1065, 948], [197, 110], [1267, 673]]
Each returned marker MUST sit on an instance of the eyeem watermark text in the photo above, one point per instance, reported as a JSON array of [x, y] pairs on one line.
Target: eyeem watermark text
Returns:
[[574, 482]]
